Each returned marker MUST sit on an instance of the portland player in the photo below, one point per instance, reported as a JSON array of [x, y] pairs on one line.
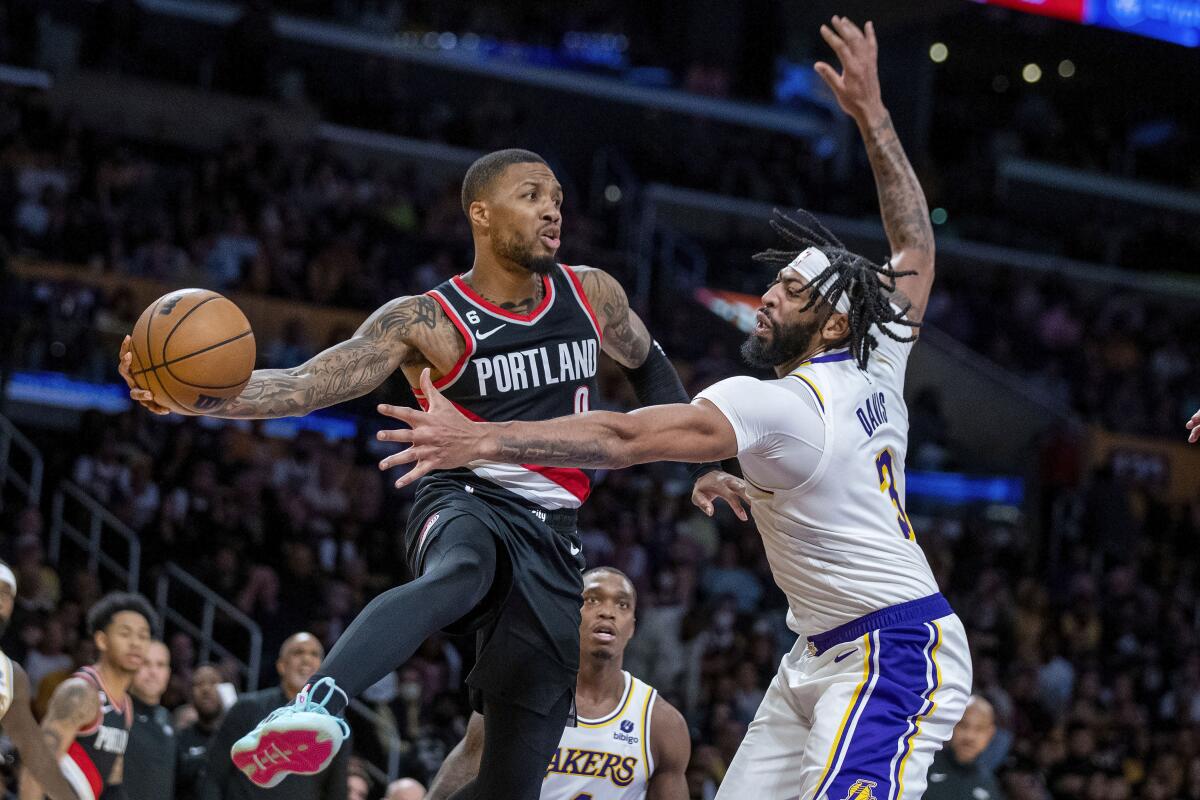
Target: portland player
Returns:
[[15, 715], [90, 713], [629, 744], [881, 672], [495, 546]]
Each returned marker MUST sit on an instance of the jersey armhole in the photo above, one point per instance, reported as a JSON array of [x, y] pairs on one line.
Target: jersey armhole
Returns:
[[830, 437], [647, 750]]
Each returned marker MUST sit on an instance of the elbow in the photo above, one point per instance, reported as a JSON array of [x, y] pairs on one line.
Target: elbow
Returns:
[[624, 443]]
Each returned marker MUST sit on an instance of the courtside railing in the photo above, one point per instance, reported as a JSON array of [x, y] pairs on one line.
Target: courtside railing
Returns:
[[175, 578], [21, 465], [77, 518]]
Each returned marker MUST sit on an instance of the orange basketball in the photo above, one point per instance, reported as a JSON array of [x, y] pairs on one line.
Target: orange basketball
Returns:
[[193, 349]]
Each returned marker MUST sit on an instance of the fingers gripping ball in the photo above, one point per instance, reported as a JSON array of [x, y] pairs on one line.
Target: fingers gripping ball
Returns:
[[193, 349]]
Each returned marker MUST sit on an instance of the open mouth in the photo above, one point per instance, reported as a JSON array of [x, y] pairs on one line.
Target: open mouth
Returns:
[[762, 323], [550, 238], [605, 633]]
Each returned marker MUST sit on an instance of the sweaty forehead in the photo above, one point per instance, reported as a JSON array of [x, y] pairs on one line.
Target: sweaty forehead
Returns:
[[607, 583]]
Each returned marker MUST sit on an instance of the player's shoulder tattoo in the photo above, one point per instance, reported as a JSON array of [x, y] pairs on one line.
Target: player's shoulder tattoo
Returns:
[[625, 337], [74, 701]]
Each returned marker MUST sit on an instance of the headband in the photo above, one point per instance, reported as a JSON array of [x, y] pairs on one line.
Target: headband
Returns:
[[810, 264]]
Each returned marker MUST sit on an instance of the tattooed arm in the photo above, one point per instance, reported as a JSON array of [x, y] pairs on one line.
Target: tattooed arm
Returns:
[[901, 200], [74, 705], [442, 438], [39, 756], [626, 339], [344, 371]]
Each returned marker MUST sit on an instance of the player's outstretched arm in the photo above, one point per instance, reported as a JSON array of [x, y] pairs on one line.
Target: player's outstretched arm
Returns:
[[74, 705], [442, 438], [343, 372], [462, 764], [901, 199], [37, 754], [671, 744]]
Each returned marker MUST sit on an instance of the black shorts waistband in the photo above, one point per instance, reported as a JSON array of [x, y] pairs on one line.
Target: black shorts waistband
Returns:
[[935, 606], [561, 519]]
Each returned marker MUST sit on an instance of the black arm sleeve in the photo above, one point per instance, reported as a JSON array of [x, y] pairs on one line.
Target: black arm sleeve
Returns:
[[657, 383]]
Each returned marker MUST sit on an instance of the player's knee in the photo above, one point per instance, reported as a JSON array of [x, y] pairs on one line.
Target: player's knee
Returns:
[[468, 563]]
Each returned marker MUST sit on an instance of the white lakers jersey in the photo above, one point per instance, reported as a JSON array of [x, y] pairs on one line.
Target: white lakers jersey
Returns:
[[8, 685], [607, 758], [822, 451]]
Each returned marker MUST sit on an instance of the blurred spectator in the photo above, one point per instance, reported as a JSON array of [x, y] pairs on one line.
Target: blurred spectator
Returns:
[[956, 771], [195, 734], [358, 782], [405, 789], [150, 762]]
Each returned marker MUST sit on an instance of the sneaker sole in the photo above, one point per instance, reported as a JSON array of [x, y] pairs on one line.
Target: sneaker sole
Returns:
[[307, 754]]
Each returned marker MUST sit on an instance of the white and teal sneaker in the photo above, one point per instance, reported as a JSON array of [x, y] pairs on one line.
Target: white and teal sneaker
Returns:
[[300, 738]]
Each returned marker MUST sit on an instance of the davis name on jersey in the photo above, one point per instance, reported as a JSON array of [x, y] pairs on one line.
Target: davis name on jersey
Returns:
[[513, 372]]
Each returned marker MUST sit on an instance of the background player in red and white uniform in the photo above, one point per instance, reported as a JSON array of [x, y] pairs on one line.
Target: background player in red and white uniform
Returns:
[[16, 718], [90, 713], [629, 743], [881, 672]]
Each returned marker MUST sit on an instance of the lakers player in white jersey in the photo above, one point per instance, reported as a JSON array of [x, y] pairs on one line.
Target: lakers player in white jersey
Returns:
[[881, 672], [16, 718], [628, 743]]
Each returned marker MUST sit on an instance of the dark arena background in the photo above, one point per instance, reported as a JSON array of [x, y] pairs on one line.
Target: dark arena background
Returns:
[[304, 158]]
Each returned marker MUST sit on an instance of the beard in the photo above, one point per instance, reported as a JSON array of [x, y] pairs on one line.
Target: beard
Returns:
[[4, 625], [522, 253], [786, 343]]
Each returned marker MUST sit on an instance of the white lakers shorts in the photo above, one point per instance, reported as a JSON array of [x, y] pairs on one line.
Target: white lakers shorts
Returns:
[[858, 713]]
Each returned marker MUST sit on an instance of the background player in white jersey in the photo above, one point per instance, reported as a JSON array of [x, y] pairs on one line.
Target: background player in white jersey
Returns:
[[629, 743], [881, 672], [15, 715]]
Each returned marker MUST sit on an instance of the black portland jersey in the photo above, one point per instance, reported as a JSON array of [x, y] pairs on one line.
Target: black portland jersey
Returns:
[[95, 751], [526, 367]]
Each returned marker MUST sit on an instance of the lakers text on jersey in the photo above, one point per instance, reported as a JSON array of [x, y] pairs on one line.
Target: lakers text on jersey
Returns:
[[607, 758]]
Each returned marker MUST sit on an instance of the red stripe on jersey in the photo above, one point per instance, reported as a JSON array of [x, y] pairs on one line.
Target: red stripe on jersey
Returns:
[[82, 760], [483, 302], [573, 480], [583, 300], [468, 343]]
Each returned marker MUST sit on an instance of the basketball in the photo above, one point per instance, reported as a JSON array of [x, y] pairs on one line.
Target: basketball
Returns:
[[193, 349]]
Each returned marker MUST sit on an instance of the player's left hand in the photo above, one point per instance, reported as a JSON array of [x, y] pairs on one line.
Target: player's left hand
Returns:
[[439, 438], [718, 484], [1193, 425], [857, 87]]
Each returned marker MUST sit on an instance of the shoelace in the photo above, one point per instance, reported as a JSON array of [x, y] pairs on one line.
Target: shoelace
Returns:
[[309, 705]]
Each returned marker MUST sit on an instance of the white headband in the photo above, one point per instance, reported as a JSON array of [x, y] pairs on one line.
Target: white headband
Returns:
[[811, 263], [7, 576]]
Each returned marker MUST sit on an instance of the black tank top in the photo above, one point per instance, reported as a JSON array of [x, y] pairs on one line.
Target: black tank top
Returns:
[[96, 748], [531, 366]]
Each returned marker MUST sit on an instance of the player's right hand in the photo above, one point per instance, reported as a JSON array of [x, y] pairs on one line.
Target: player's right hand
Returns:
[[143, 396], [857, 86], [1193, 425]]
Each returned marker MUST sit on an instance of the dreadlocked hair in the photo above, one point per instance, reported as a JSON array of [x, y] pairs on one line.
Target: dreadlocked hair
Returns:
[[868, 286]]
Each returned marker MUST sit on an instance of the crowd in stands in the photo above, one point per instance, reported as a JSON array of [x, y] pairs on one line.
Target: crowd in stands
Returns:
[[976, 128], [1088, 650], [297, 222]]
